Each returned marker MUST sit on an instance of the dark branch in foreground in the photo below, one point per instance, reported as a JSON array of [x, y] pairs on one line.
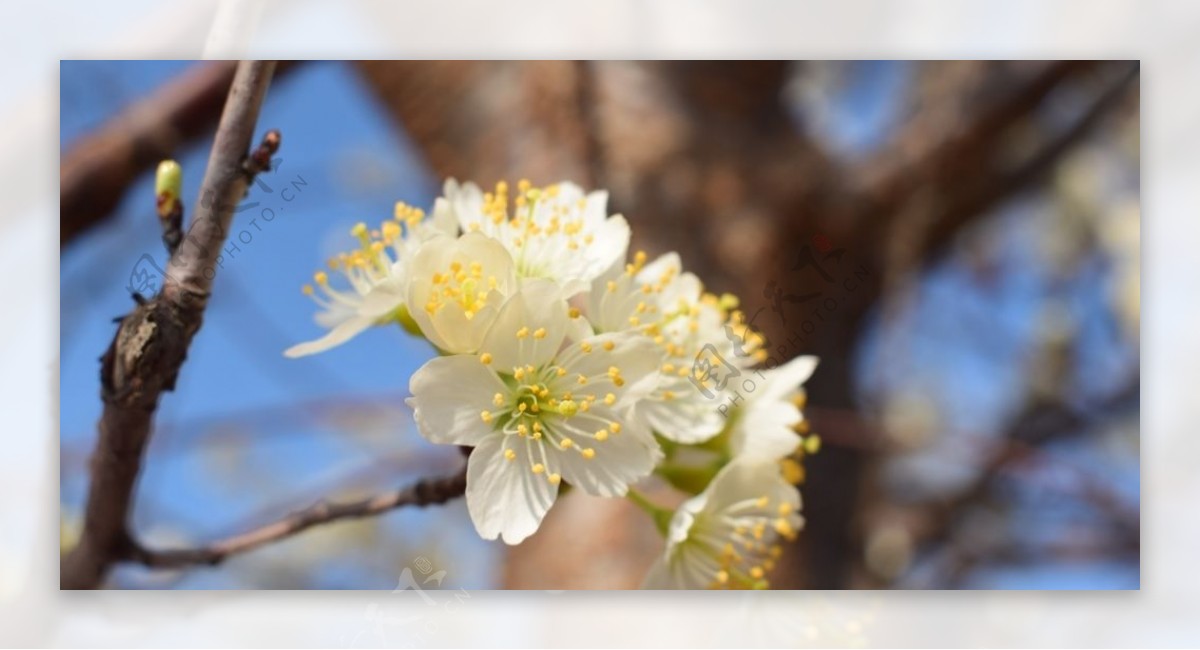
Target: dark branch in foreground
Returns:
[[425, 492], [152, 342]]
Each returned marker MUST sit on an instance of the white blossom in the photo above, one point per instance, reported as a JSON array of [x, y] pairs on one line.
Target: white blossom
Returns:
[[377, 274], [727, 536], [538, 413], [557, 232]]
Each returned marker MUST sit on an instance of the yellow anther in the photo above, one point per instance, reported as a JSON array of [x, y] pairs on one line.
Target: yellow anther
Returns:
[[521, 407], [554, 479], [390, 230], [568, 407], [722, 576], [523, 332], [359, 230], [601, 435], [588, 453], [307, 289], [321, 278], [573, 312], [485, 416], [565, 443], [510, 455], [539, 468], [485, 358], [609, 345], [497, 399], [518, 373], [784, 528], [756, 572], [762, 502], [784, 509], [537, 427], [792, 471], [539, 333], [581, 380], [610, 399], [615, 427], [668, 395], [585, 346], [611, 286], [522, 430], [812, 444]]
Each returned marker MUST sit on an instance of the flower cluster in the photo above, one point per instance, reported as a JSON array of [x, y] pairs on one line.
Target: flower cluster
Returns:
[[564, 360]]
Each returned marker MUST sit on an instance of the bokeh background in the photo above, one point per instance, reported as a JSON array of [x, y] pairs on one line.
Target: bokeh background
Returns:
[[975, 228]]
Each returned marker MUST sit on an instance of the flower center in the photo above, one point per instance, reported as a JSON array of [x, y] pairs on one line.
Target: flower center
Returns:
[[549, 410], [464, 287]]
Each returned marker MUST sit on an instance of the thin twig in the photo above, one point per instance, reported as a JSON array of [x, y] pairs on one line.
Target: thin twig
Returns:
[[151, 343], [426, 492]]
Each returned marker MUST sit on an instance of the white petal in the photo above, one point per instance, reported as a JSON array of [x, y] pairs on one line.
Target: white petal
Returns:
[[764, 430], [611, 243], [505, 498], [635, 355], [620, 460], [449, 394], [660, 577], [343, 332], [786, 379], [538, 304], [745, 479], [689, 418]]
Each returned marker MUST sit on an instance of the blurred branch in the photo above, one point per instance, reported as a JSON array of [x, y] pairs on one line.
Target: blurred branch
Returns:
[[932, 198], [98, 168], [426, 492], [151, 343], [1041, 422]]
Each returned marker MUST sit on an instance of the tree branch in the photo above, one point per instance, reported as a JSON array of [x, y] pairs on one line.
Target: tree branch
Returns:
[[99, 167], [151, 343], [425, 492]]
